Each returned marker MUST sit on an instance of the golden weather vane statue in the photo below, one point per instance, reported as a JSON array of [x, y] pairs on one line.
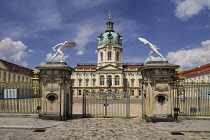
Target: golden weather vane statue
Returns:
[[109, 14]]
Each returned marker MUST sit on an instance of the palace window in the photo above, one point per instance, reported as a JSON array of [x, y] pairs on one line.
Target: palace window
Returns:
[[132, 82], [117, 56], [4, 77], [139, 92], [80, 82], [101, 80], [87, 82], [132, 92], [117, 80], [102, 57], [109, 56], [109, 77], [125, 82], [80, 92], [94, 82]]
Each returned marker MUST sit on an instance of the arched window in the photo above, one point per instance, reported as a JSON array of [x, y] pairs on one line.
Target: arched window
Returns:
[[109, 56], [102, 57], [94, 82], [117, 80], [101, 80], [87, 82], [109, 77], [80, 82], [117, 56]]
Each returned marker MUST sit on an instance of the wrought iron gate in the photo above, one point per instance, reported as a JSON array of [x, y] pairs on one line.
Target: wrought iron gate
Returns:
[[192, 99], [19, 97], [106, 104]]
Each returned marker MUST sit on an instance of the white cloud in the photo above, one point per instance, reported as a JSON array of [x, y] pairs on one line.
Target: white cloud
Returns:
[[80, 53], [187, 59], [38, 16], [188, 8], [50, 55], [86, 31], [25, 64], [12, 50], [47, 15], [30, 50], [129, 28], [85, 4], [191, 58]]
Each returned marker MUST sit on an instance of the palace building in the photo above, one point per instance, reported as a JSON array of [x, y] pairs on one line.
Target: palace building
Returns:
[[198, 74], [10, 72], [93, 77]]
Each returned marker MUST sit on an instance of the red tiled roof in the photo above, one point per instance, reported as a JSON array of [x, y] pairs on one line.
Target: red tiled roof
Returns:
[[85, 67], [17, 68], [131, 67], [197, 70]]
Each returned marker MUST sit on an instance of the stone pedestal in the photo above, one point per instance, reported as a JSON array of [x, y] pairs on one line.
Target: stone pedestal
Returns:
[[158, 91], [55, 86]]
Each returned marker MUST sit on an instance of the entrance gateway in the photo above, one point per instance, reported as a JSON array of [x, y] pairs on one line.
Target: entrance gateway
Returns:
[[163, 98], [106, 104]]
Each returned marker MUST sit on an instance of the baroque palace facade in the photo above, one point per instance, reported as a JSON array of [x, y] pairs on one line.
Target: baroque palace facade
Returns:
[[93, 77]]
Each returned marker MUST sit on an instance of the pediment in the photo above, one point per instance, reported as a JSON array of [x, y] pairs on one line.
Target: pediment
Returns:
[[2, 66], [109, 68]]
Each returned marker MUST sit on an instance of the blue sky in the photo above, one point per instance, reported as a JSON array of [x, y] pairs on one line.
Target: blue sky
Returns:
[[180, 28]]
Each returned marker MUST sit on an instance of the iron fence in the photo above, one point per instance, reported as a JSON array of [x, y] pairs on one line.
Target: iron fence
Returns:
[[192, 99], [106, 104], [19, 97]]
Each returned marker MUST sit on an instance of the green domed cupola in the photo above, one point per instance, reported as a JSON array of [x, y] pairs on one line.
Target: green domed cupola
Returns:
[[109, 36]]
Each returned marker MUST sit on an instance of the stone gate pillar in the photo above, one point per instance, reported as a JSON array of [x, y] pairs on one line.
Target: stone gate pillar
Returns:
[[158, 91], [55, 86]]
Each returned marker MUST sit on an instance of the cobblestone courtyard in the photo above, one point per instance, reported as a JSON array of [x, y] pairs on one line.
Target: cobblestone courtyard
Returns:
[[108, 129]]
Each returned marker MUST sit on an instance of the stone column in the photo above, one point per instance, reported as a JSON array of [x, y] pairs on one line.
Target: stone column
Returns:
[[56, 101], [158, 90]]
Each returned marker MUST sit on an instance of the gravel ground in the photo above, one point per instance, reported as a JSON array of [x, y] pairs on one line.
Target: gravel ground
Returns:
[[106, 129], [26, 123], [102, 129]]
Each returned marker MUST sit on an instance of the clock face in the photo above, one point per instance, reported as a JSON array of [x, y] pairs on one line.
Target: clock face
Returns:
[[109, 47]]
